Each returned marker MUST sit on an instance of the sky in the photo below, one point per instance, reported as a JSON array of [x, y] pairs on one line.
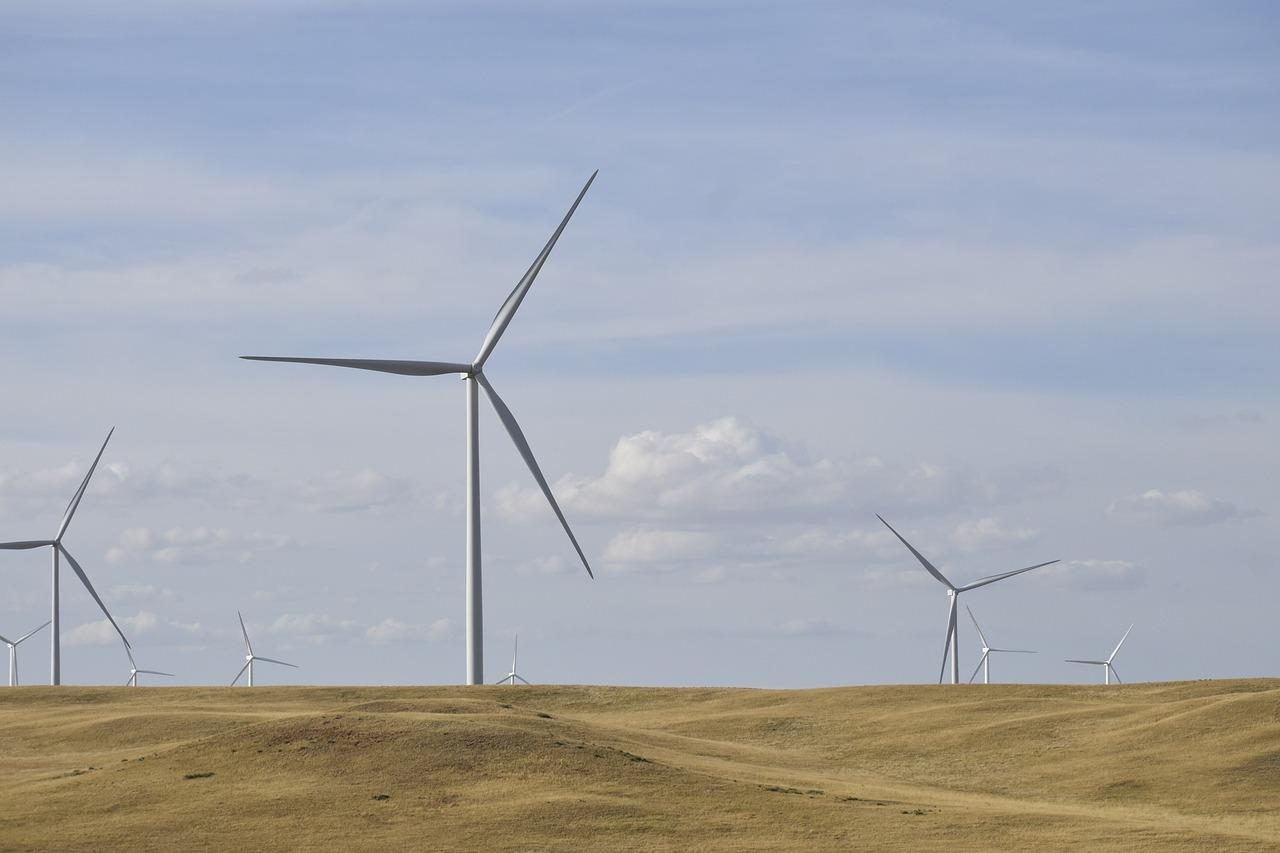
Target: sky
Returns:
[[1003, 274]]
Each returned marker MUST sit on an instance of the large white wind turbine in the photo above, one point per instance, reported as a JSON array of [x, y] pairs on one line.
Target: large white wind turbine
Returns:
[[951, 646], [987, 649], [55, 544], [250, 657], [1107, 669], [13, 654], [134, 671], [510, 677], [473, 375]]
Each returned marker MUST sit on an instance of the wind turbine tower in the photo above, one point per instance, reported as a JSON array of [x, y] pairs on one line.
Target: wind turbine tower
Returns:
[[55, 544], [13, 653], [1107, 669], [512, 676], [250, 657], [987, 649], [951, 646], [472, 374]]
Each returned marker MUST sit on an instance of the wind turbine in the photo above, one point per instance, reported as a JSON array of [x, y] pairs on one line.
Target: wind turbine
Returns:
[[250, 657], [951, 646], [472, 373], [987, 649], [511, 676], [55, 544], [1107, 669], [13, 654], [134, 671]]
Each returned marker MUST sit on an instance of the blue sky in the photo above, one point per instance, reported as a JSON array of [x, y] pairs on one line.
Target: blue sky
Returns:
[[1004, 274]]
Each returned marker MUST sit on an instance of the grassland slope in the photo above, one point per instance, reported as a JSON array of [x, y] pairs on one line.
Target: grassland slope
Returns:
[[1184, 765]]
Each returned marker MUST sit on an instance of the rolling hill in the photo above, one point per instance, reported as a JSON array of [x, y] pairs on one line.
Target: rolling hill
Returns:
[[1187, 765]]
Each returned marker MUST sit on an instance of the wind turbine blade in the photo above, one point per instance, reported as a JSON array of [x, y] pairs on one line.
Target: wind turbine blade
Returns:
[[132, 663], [240, 673], [404, 368], [946, 644], [1000, 577], [525, 680], [978, 668], [75, 501], [932, 569], [128, 680], [154, 672], [976, 625], [6, 641], [31, 633], [1094, 662], [1116, 674], [1112, 656], [508, 309], [244, 632], [522, 445], [84, 579], [1016, 651], [273, 660], [502, 680], [24, 546]]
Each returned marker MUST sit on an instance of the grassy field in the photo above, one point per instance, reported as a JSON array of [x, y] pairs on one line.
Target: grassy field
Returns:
[[1191, 765]]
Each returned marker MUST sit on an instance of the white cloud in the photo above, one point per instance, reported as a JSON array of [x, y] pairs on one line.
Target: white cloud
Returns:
[[186, 545], [543, 566], [650, 546], [988, 533], [1175, 508], [355, 491], [1093, 574], [730, 469], [313, 627], [391, 630], [101, 633]]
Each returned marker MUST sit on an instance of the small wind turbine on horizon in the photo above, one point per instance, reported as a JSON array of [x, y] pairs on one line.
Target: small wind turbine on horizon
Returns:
[[13, 653], [510, 677], [134, 671], [472, 374], [951, 646], [55, 544], [250, 657], [1107, 669], [987, 649]]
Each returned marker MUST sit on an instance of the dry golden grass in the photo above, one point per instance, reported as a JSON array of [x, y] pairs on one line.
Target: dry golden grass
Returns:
[[1190, 765]]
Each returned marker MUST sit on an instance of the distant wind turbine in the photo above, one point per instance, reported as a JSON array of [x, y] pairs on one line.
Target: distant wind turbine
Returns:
[[472, 374], [987, 649], [511, 676], [13, 654], [134, 671], [55, 663], [1107, 669], [250, 657], [951, 646]]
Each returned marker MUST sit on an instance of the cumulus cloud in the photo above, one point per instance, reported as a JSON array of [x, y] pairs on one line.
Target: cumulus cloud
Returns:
[[355, 491], [101, 633], [120, 483], [313, 627], [649, 546], [391, 630], [989, 533], [183, 545], [1187, 507], [1093, 574], [728, 469]]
